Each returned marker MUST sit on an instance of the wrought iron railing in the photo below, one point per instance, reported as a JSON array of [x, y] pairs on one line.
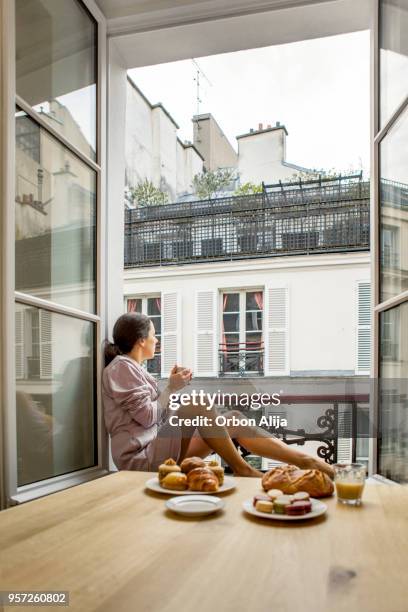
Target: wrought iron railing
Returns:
[[302, 218], [241, 359]]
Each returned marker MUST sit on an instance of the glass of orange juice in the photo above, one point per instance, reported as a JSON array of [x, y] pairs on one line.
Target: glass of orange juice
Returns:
[[349, 479]]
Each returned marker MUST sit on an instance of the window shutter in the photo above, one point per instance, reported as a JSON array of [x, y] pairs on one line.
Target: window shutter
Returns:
[[363, 327], [345, 440], [276, 331], [171, 331], [45, 344], [19, 346], [206, 333]]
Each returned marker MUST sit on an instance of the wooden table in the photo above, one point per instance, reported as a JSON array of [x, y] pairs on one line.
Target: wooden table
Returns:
[[113, 546]]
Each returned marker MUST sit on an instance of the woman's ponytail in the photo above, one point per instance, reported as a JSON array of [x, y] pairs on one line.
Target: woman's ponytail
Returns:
[[110, 351]]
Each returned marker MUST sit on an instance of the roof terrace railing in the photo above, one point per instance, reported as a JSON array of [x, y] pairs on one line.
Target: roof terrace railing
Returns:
[[286, 219]]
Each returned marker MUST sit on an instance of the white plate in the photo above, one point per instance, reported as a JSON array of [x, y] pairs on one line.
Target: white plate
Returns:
[[153, 485], [195, 505], [318, 508]]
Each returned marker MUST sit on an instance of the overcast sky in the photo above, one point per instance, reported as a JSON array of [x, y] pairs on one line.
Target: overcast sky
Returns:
[[319, 89]]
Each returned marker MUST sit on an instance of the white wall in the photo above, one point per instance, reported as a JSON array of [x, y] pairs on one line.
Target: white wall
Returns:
[[322, 302], [152, 150]]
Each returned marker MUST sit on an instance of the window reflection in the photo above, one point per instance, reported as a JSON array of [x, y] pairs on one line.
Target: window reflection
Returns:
[[394, 209], [55, 394], [393, 55], [56, 66], [393, 421], [55, 219]]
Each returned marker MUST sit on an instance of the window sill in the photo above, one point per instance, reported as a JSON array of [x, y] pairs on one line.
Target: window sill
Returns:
[[31, 492]]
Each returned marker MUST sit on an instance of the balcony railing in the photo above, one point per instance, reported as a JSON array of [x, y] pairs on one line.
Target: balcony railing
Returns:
[[301, 218], [241, 359]]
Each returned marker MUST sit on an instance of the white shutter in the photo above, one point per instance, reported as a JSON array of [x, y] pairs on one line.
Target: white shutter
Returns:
[[205, 333], [19, 343], [45, 344], [363, 327], [276, 331], [345, 440], [171, 331]]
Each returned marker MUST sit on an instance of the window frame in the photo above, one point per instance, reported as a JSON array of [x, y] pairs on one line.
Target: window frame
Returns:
[[11, 493], [242, 324], [144, 298]]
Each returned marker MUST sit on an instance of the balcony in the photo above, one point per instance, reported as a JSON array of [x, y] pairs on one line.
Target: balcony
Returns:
[[304, 218], [241, 359]]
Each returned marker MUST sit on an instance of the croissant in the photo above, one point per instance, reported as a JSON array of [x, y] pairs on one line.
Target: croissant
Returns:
[[291, 479], [202, 479], [189, 463]]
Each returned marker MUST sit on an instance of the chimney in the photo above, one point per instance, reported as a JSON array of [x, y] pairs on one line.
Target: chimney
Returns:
[[260, 127], [269, 126], [278, 124], [251, 130]]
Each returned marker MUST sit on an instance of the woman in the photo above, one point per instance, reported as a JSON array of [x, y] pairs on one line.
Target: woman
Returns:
[[136, 414]]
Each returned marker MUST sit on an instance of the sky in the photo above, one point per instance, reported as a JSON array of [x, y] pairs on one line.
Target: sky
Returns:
[[319, 89]]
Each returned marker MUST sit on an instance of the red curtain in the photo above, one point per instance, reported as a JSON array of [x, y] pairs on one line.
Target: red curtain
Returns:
[[132, 305], [259, 299]]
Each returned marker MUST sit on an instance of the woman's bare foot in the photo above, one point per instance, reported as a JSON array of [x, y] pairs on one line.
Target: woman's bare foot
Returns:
[[249, 472], [311, 463]]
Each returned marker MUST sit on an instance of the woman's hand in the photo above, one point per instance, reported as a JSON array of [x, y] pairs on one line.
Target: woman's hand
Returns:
[[179, 377]]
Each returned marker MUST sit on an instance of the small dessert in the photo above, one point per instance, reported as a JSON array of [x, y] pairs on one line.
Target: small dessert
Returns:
[[301, 496], [217, 470], [190, 463], [264, 506], [168, 467], [298, 508], [258, 498], [280, 504], [274, 493], [202, 479], [176, 481]]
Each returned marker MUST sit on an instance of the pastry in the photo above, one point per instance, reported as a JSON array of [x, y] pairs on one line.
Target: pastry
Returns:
[[301, 496], [168, 467], [176, 481], [189, 463], [217, 470], [260, 498], [290, 479], [274, 493], [202, 479], [298, 508], [280, 504], [264, 506]]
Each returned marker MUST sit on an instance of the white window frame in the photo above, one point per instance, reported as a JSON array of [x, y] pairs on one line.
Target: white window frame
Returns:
[[144, 299], [11, 493], [242, 320]]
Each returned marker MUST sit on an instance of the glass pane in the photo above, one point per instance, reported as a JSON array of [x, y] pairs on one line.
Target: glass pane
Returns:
[[153, 306], [134, 305], [55, 214], [254, 341], [254, 300], [231, 322], [230, 302], [56, 66], [157, 324], [55, 400], [393, 56], [394, 209], [232, 342], [393, 418], [253, 321]]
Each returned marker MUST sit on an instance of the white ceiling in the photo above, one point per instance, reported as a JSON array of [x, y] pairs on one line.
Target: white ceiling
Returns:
[[148, 32]]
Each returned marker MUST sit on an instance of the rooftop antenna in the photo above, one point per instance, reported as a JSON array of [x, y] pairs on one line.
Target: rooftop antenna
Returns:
[[199, 73]]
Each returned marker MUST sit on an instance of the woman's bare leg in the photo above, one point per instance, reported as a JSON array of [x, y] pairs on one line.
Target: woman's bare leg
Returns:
[[260, 442], [216, 437]]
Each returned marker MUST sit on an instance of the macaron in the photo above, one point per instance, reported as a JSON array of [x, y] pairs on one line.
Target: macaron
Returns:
[[274, 493], [260, 498], [298, 508], [280, 503], [264, 506], [301, 496]]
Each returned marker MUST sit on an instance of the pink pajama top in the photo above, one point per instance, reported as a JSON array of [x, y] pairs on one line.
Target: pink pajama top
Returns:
[[133, 416]]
